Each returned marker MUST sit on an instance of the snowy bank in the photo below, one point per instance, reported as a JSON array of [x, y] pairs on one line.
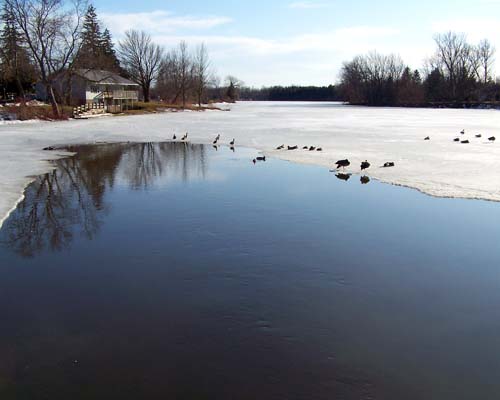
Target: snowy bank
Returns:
[[438, 167]]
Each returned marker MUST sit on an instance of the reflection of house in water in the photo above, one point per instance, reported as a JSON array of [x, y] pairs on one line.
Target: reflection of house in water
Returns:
[[71, 200]]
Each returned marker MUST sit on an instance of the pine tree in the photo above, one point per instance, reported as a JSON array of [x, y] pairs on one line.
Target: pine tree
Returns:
[[17, 72], [108, 52], [89, 54], [96, 50]]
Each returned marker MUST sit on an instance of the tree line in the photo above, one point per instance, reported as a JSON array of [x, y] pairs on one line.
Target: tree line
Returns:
[[458, 72], [292, 93], [42, 40]]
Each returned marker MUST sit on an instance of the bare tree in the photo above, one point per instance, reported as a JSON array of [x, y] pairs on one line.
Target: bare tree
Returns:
[[185, 71], [458, 60], [201, 72], [141, 58], [233, 86], [51, 30], [486, 56]]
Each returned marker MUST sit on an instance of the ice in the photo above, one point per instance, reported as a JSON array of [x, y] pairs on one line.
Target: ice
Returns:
[[439, 167]]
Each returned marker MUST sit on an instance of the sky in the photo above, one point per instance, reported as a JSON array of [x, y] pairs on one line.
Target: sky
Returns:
[[285, 42]]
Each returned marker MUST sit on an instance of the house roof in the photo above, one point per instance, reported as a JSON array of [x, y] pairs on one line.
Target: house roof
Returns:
[[104, 77]]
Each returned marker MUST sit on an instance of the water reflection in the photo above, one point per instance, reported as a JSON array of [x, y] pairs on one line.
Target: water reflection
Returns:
[[365, 180], [70, 201], [343, 177]]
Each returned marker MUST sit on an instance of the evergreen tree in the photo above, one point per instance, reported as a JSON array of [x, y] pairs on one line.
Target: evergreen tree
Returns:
[[97, 51], [17, 72], [108, 52]]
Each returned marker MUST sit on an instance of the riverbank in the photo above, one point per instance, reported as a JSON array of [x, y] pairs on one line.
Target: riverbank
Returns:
[[437, 167]]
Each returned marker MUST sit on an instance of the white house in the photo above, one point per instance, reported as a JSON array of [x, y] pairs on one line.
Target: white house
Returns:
[[95, 86]]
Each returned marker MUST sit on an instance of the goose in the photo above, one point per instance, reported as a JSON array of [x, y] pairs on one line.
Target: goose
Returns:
[[312, 148], [184, 137], [343, 163], [216, 139], [319, 149], [231, 143], [50, 148], [293, 147], [389, 164], [364, 180], [462, 132], [261, 158], [428, 138], [280, 147], [365, 165], [479, 136], [305, 148], [175, 137], [465, 142], [456, 140], [492, 139]]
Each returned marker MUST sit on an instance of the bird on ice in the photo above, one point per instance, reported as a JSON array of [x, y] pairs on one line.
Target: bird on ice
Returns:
[[365, 165], [343, 163]]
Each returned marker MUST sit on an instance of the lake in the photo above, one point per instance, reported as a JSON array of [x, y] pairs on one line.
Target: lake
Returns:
[[170, 270]]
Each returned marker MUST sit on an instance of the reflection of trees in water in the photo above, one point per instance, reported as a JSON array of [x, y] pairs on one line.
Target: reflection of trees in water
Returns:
[[68, 200], [147, 161]]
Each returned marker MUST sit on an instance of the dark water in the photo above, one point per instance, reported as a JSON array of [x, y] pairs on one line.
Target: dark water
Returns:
[[180, 272]]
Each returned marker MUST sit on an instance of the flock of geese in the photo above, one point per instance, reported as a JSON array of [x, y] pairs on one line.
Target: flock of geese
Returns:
[[340, 164], [466, 141]]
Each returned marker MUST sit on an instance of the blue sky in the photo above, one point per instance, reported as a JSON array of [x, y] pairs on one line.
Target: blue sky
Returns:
[[301, 42]]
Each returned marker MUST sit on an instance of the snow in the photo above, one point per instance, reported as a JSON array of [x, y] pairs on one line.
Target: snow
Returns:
[[439, 167]]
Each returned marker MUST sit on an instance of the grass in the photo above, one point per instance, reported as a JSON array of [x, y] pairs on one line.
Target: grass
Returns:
[[157, 107], [26, 112]]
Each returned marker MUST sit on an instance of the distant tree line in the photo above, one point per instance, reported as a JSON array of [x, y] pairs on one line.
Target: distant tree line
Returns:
[[42, 40], [292, 93], [457, 73]]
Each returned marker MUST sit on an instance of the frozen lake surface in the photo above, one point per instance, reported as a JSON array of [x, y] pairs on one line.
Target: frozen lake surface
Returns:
[[144, 271], [439, 167]]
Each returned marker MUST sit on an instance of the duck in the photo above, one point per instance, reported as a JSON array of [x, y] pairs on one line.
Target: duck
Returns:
[[492, 139], [293, 147], [456, 140], [184, 137], [465, 142], [216, 139], [319, 149], [343, 163], [174, 137], [428, 138], [280, 147], [312, 148], [305, 148], [389, 164], [261, 158], [231, 143], [479, 136], [364, 180], [365, 165], [462, 132]]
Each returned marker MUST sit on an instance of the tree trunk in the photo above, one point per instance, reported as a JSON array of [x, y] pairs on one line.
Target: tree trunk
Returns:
[[53, 101], [145, 92], [20, 88]]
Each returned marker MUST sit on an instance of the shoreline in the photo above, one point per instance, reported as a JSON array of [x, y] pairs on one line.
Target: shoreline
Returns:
[[61, 152], [438, 168]]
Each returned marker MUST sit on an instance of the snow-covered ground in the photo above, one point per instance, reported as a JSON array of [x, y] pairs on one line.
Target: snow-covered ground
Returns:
[[439, 167]]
